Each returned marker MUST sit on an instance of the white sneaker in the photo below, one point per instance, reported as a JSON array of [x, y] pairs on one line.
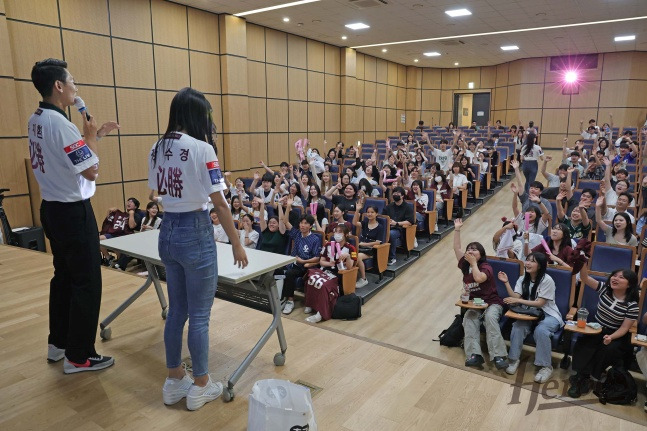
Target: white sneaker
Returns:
[[176, 389], [415, 242], [361, 282], [436, 228], [544, 374], [314, 318], [199, 396], [512, 366], [54, 354], [307, 310], [392, 262], [288, 307]]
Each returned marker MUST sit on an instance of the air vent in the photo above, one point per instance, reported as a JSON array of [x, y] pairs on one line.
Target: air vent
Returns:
[[452, 42], [365, 4]]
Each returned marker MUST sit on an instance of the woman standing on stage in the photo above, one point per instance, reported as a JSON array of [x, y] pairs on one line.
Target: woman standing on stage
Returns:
[[184, 170]]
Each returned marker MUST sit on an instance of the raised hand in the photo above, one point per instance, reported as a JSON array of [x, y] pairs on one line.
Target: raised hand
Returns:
[[257, 176], [458, 223], [503, 277]]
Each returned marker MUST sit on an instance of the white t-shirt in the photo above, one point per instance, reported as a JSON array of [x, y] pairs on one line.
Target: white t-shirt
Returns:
[[58, 156], [219, 234], [253, 237], [533, 154], [587, 135], [612, 198], [260, 193], [611, 213], [186, 172], [457, 181], [423, 199], [444, 158], [520, 221], [546, 290]]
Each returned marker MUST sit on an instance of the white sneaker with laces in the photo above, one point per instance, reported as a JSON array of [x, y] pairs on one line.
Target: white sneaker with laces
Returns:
[[288, 307], [361, 283], [512, 366], [54, 354], [307, 310], [392, 262], [436, 228], [176, 389], [544, 374], [200, 395], [415, 242], [316, 318]]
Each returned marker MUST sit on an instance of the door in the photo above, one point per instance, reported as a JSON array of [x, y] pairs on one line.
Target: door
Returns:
[[481, 109]]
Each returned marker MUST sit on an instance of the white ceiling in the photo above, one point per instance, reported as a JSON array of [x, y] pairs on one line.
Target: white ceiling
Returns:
[[402, 20]]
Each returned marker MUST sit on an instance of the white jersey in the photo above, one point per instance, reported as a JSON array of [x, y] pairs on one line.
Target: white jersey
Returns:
[[185, 172], [58, 156]]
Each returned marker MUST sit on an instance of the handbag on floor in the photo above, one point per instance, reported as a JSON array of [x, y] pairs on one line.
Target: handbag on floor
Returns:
[[348, 307], [453, 336]]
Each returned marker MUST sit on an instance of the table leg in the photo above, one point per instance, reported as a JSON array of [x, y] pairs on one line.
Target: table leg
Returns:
[[158, 288], [279, 358]]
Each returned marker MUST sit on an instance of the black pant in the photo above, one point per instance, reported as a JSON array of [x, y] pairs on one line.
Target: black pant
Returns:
[[591, 356], [75, 289], [293, 272]]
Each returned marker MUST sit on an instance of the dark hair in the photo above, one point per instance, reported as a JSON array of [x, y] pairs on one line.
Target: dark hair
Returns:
[[575, 153], [459, 166], [343, 228], [191, 112], [419, 183], [627, 195], [623, 181], [566, 238], [623, 145], [304, 162], [563, 167], [542, 261], [366, 185], [531, 140], [537, 184], [232, 204], [211, 211], [399, 190], [495, 135], [444, 141], [135, 201], [420, 123], [147, 218], [353, 186], [628, 132], [605, 140], [308, 219], [592, 192], [632, 284], [537, 212], [249, 216], [318, 192], [451, 123], [629, 230], [342, 178], [334, 151], [465, 267], [622, 171], [373, 207], [267, 177], [284, 165], [45, 73]]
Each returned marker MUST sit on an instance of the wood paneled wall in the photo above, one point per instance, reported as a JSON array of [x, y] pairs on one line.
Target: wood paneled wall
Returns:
[[267, 88]]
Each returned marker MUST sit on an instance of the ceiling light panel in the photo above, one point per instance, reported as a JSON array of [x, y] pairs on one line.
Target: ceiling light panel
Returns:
[[278, 6], [458, 12], [624, 38], [357, 26]]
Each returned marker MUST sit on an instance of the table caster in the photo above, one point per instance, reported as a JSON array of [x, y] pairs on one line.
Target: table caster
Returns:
[[227, 394], [164, 313], [279, 359], [106, 333]]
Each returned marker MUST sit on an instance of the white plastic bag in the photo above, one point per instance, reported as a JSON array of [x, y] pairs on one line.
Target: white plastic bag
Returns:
[[279, 405]]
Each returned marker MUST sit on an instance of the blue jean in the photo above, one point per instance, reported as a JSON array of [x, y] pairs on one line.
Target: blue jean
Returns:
[[542, 334], [188, 251], [394, 239], [529, 169]]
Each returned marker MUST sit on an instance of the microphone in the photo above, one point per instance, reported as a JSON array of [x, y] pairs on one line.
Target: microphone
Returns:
[[80, 105]]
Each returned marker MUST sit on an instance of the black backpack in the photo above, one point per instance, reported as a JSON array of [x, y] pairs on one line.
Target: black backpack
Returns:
[[618, 388], [453, 336], [348, 307]]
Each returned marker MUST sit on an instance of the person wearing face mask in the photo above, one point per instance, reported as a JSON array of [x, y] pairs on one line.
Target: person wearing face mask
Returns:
[[402, 216], [322, 285]]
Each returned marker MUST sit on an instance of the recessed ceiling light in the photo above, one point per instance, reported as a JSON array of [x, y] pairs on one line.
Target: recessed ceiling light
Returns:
[[278, 6], [470, 85], [344, 37], [624, 38], [510, 48], [431, 54], [357, 26], [456, 64], [415, 60], [384, 50], [458, 12], [286, 19]]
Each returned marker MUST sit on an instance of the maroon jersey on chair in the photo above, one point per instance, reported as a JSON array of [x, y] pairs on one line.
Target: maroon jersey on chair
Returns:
[[322, 290]]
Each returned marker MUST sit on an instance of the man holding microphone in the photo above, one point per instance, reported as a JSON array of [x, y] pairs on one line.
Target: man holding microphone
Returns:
[[66, 166]]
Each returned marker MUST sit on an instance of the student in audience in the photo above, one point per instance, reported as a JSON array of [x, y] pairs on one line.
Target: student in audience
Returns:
[[314, 196], [579, 225], [621, 230], [248, 236], [306, 248], [602, 144], [534, 289], [622, 205], [534, 190], [219, 234], [611, 194], [371, 232], [337, 216], [478, 281], [518, 141], [342, 256], [628, 152], [458, 182], [530, 153], [294, 193], [151, 220], [559, 244], [347, 201], [421, 200], [331, 158], [237, 208], [238, 189], [255, 210], [618, 173], [402, 216], [265, 191], [443, 191], [538, 218], [617, 311], [443, 155], [505, 241], [274, 237], [594, 170]]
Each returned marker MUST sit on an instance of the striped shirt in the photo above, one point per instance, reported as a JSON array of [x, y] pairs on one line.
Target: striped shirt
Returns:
[[611, 312], [305, 247]]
